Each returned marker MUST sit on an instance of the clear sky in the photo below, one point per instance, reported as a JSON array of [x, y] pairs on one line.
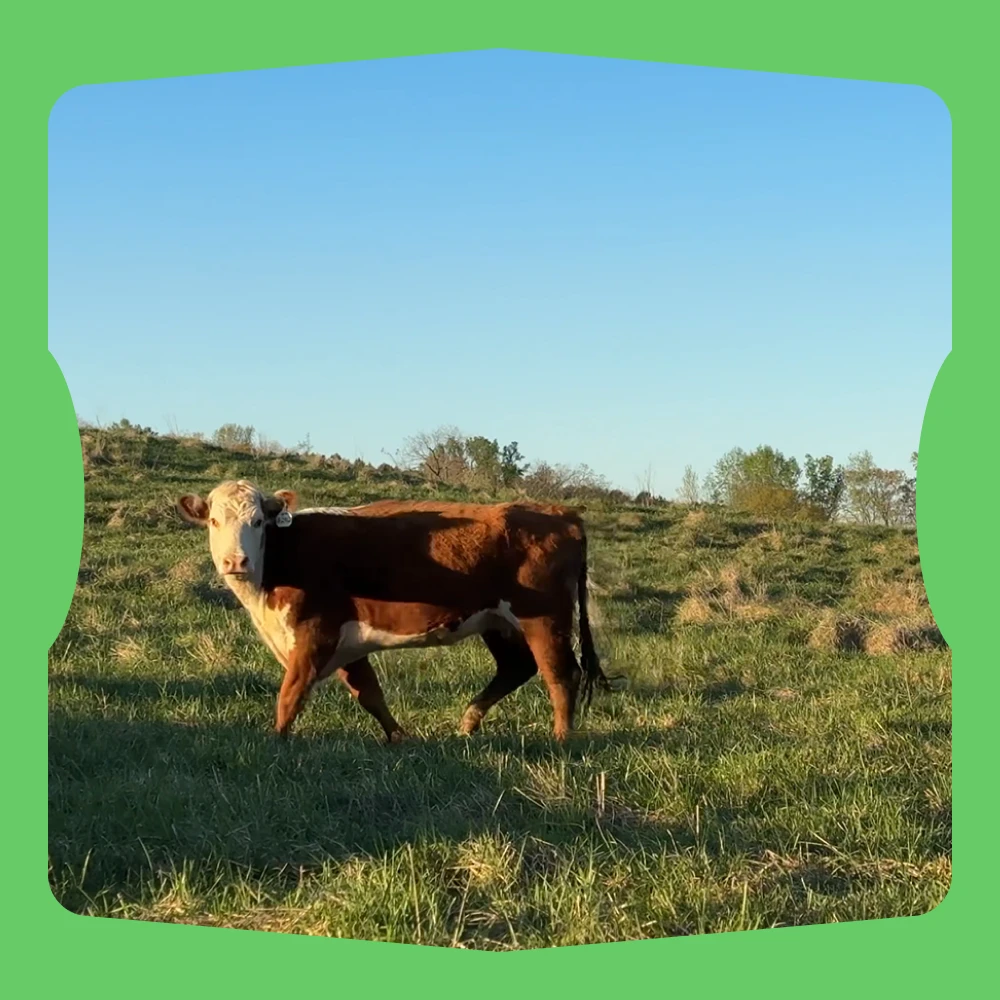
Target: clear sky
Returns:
[[619, 263]]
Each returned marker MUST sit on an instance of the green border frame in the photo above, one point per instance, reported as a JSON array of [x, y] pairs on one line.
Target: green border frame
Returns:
[[54, 47]]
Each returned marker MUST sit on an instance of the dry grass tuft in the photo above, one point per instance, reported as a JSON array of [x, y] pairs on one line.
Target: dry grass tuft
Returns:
[[820, 870], [914, 631], [694, 519], [901, 597], [211, 652], [129, 650], [726, 595], [488, 861], [730, 578], [630, 519], [691, 529], [117, 519], [222, 470], [901, 636], [694, 610], [897, 616], [839, 632], [773, 540], [127, 577], [185, 571], [545, 784], [754, 611]]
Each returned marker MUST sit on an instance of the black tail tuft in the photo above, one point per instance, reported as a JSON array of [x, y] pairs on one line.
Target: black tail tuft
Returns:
[[589, 662]]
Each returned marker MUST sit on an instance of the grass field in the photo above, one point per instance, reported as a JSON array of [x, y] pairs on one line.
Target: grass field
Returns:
[[782, 755]]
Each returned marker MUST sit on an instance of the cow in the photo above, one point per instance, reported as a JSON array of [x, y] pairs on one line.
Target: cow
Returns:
[[326, 587]]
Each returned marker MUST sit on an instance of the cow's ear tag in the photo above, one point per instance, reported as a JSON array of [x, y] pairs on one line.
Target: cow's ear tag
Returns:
[[283, 520]]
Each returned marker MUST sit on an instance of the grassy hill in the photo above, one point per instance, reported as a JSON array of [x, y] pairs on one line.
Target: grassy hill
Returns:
[[782, 755]]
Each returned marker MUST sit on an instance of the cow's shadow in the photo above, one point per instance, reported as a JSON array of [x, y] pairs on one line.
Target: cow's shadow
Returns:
[[132, 797], [135, 796]]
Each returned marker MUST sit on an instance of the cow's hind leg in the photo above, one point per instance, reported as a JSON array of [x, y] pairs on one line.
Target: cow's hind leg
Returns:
[[360, 679], [549, 640], [515, 666]]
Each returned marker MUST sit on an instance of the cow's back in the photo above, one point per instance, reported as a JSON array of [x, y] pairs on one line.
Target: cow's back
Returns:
[[432, 551]]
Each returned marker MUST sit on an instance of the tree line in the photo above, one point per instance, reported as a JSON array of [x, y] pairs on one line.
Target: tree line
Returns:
[[766, 483], [447, 457], [762, 482]]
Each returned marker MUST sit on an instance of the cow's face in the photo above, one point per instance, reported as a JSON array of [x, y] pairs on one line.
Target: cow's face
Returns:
[[235, 514]]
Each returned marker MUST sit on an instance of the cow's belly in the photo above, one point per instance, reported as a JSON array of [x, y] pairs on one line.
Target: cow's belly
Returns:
[[359, 638]]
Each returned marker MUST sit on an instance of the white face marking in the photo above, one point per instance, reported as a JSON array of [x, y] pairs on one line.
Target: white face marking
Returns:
[[236, 530], [358, 639]]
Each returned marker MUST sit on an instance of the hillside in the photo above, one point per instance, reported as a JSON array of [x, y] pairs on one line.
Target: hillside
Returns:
[[782, 754]]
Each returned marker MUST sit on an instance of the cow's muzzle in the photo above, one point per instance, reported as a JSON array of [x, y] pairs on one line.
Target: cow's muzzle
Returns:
[[235, 566]]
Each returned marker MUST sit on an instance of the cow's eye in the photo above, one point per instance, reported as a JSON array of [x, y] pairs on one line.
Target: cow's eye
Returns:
[[258, 523], [212, 521]]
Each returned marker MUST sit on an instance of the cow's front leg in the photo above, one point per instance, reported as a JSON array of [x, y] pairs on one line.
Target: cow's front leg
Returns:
[[301, 672]]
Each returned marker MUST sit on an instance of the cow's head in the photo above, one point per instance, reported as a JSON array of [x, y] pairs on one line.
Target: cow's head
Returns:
[[235, 514]]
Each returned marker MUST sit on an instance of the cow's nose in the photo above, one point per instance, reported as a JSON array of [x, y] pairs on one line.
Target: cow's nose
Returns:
[[234, 564]]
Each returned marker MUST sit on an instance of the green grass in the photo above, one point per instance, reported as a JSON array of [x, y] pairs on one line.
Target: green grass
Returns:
[[749, 777]]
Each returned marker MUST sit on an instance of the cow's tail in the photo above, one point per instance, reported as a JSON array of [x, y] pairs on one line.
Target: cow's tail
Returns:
[[592, 675]]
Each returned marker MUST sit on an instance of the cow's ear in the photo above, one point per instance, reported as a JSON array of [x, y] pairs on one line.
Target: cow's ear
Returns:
[[282, 500], [290, 498], [193, 509]]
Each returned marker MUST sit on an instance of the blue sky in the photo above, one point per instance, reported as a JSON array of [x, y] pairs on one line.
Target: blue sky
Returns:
[[619, 263]]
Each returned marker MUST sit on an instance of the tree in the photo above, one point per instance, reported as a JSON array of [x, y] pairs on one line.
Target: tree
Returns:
[[646, 497], [824, 487], [768, 501], [766, 466], [512, 464], [562, 482], [908, 495], [737, 471], [724, 479], [447, 457], [690, 490], [873, 495], [483, 461], [268, 446], [438, 455], [236, 437]]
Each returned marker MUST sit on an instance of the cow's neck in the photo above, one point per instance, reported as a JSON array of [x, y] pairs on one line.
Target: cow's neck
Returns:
[[249, 593], [272, 624]]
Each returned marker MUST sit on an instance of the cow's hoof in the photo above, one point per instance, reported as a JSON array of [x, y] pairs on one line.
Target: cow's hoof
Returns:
[[470, 722], [397, 736]]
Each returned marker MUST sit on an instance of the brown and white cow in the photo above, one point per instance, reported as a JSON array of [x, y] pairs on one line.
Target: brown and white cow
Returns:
[[328, 586]]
